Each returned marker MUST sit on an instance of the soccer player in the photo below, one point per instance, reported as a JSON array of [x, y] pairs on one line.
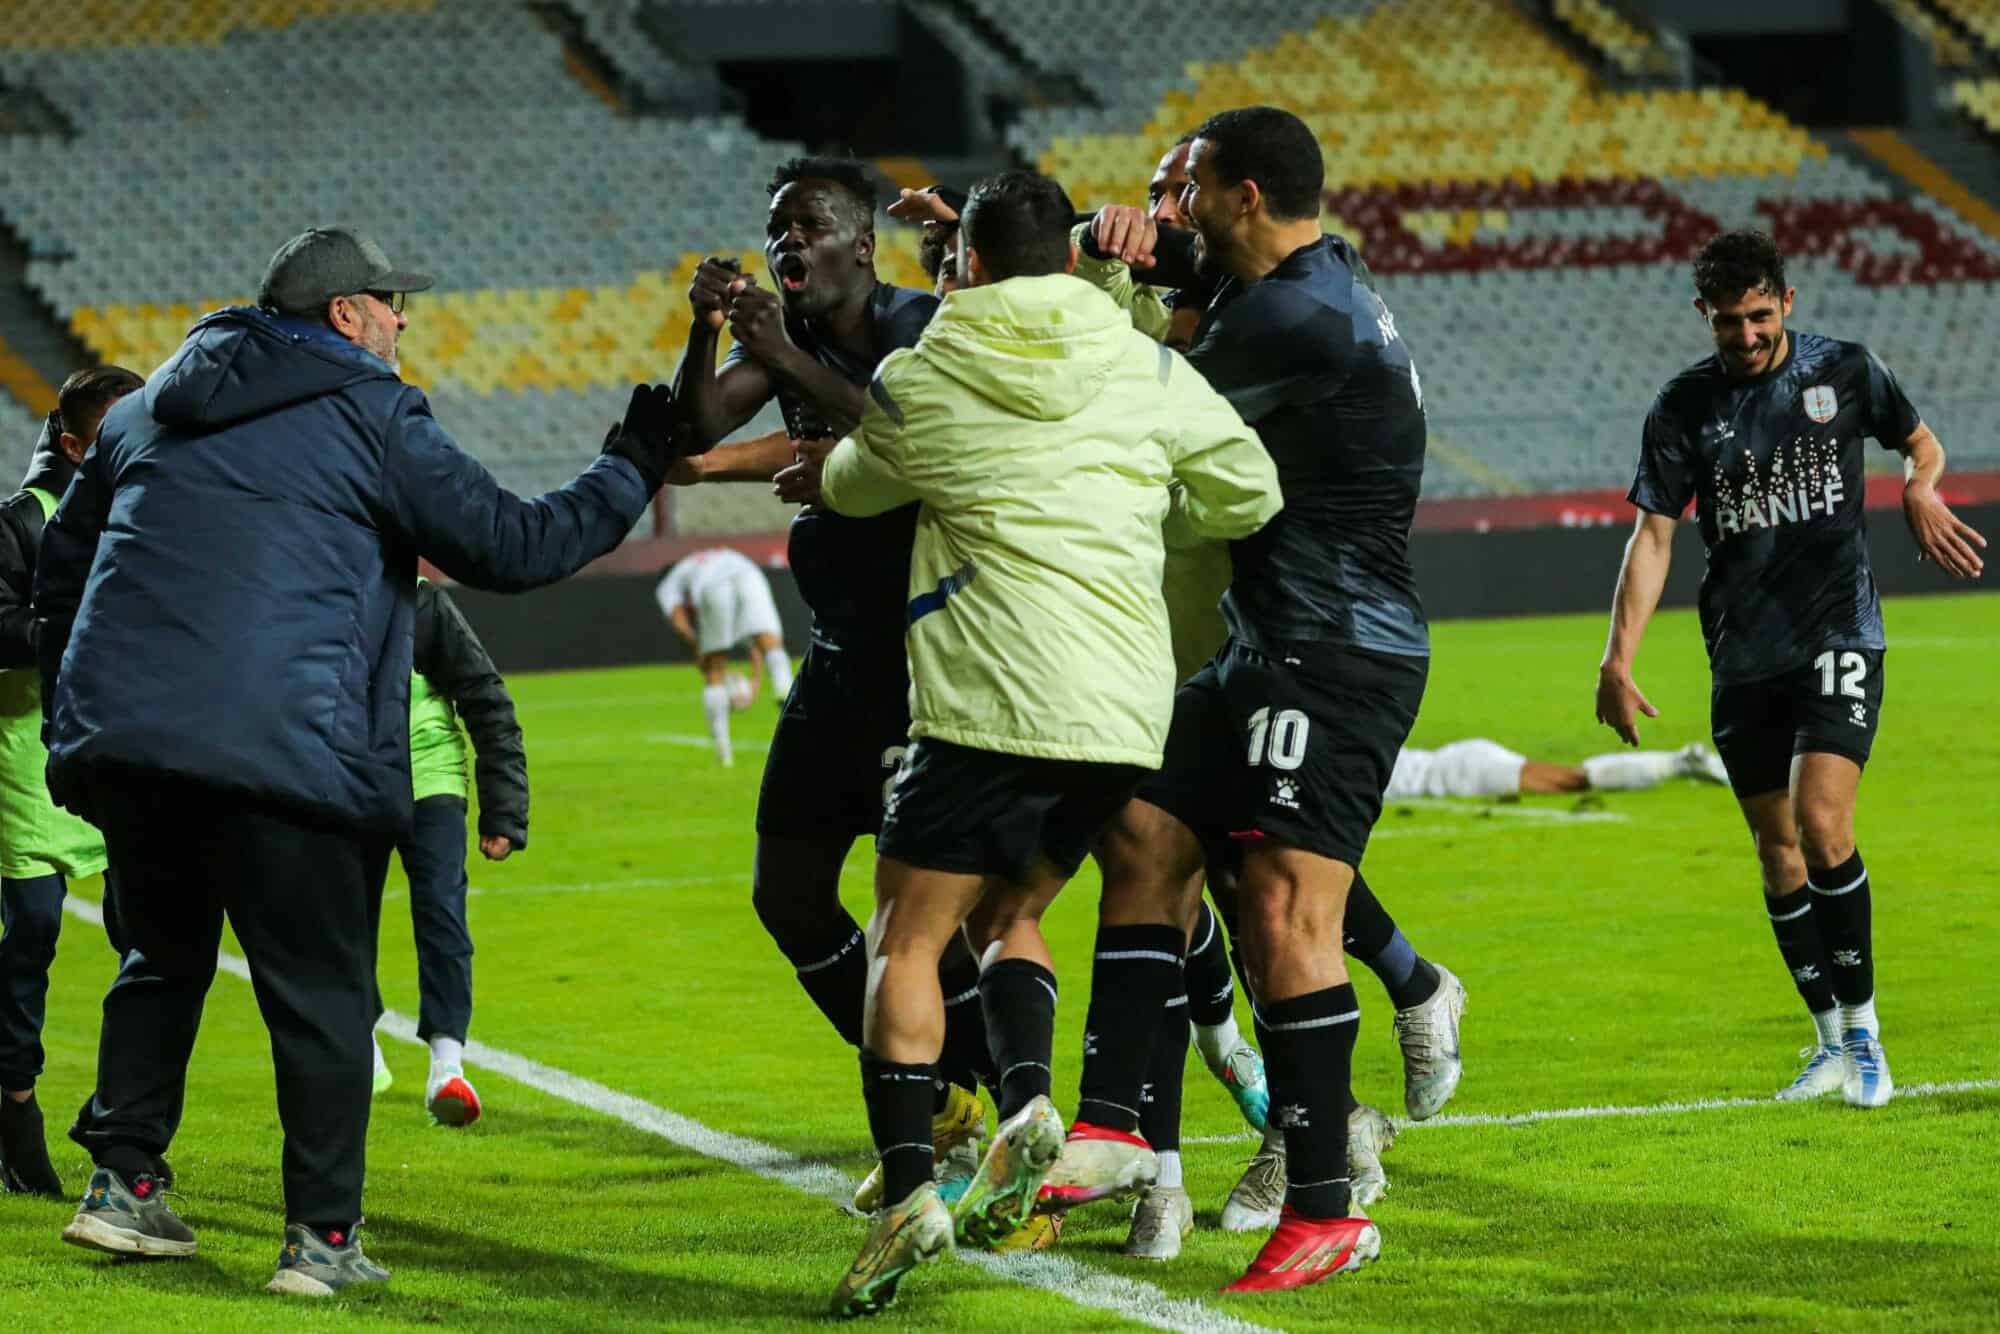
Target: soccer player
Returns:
[[42, 847], [1765, 437], [1281, 748], [717, 599], [1482, 768], [1041, 433], [452, 678], [813, 345]]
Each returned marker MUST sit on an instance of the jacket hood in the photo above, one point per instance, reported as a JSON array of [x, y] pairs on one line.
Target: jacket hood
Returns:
[[1041, 348], [241, 362], [48, 469]]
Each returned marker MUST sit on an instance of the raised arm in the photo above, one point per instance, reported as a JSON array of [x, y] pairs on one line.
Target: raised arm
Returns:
[[757, 459], [1941, 536], [713, 403], [452, 511], [1642, 576]]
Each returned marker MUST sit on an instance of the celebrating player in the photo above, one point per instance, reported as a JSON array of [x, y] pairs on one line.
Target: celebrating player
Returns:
[[1041, 433], [1281, 747], [1765, 437], [814, 344], [715, 600]]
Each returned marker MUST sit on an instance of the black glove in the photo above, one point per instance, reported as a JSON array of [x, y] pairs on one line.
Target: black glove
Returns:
[[646, 438]]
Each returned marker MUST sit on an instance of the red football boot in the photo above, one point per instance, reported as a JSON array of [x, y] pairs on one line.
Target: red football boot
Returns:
[[1306, 1250]]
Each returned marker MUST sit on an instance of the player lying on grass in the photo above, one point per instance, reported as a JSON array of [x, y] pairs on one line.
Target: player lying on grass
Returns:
[[716, 600], [1765, 437], [453, 679], [1041, 434], [1482, 768]]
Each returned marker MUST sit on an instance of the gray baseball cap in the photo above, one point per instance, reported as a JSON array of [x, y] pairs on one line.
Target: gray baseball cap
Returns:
[[318, 265]]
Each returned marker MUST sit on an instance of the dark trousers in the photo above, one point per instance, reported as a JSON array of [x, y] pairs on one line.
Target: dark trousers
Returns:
[[31, 912], [304, 899], [434, 860]]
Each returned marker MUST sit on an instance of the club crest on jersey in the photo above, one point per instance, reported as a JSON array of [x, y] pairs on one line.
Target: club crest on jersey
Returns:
[[1821, 405]]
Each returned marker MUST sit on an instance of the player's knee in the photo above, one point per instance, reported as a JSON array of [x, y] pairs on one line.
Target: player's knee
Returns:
[[34, 920], [1826, 834], [1780, 857]]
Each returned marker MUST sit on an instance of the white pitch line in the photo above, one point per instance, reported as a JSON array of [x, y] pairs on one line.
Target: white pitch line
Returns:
[[1062, 1275], [1639, 1109]]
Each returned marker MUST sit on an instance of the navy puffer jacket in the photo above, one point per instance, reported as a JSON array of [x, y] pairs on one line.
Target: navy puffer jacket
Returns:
[[226, 592]]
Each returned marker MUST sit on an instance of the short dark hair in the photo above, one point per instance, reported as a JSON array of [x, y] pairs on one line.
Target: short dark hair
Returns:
[[934, 249], [87, 393], [1019, 223], [1274, 148], [1737, 262], [848, 173]]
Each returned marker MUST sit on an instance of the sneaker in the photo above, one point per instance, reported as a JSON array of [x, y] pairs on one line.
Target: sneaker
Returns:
[[1429, 1037], [451, 1100], [1099, 1164], [383, 1077], [1037, 1234], [1369, 1135], [1306, 1250], [1699, 762], [961, 1121], [312, 1265], [128, 1219], [906, 1234], [25, 1168], [1003, 1194], [1826, 1070], [1242, 1073], [1865, 1079], [1254, 1204], [1163, 1220]]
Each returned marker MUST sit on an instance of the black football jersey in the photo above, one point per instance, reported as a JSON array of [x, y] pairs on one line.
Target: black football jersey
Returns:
[[1774, 465]]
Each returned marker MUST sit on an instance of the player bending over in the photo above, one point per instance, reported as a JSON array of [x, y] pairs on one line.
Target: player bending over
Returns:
[[717, 599], [1041, 433], [1765, 437]]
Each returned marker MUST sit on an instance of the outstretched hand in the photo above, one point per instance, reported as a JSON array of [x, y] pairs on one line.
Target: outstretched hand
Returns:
[[1126, 233], [1620, 702], [645, 436], [925, 205], [1942, 536]]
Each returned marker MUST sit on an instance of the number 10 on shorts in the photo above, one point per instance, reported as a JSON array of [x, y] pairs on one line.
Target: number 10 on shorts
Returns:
[[1279, 738], [1850, 666]]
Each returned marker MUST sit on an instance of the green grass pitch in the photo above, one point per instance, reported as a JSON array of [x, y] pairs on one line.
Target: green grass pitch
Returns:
[[1620, 959]]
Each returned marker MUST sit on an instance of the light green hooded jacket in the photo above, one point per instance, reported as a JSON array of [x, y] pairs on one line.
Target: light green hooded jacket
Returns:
[[1042, 433]]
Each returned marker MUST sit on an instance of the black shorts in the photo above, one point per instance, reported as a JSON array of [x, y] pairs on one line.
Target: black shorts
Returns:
[[981, 812], [839, 741], [1830, 706], [1297, 750]]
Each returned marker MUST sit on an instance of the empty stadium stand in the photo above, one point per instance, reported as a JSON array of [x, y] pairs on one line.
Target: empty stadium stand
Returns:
[[1530, 225]]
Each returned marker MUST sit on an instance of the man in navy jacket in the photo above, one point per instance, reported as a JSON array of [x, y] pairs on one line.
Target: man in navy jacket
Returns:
[[225, 599]]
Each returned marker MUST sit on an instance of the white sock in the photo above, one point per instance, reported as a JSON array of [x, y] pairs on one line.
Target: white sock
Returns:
[[715, 703], [446, 1054], [779, 665], [1216, 1043], [1861, 1016], [1628, 771], [1170, 1168], [1828, 1024]]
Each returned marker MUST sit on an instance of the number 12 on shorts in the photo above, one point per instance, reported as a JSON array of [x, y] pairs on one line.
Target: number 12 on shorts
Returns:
[[1851, 667], [1279, 738]]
